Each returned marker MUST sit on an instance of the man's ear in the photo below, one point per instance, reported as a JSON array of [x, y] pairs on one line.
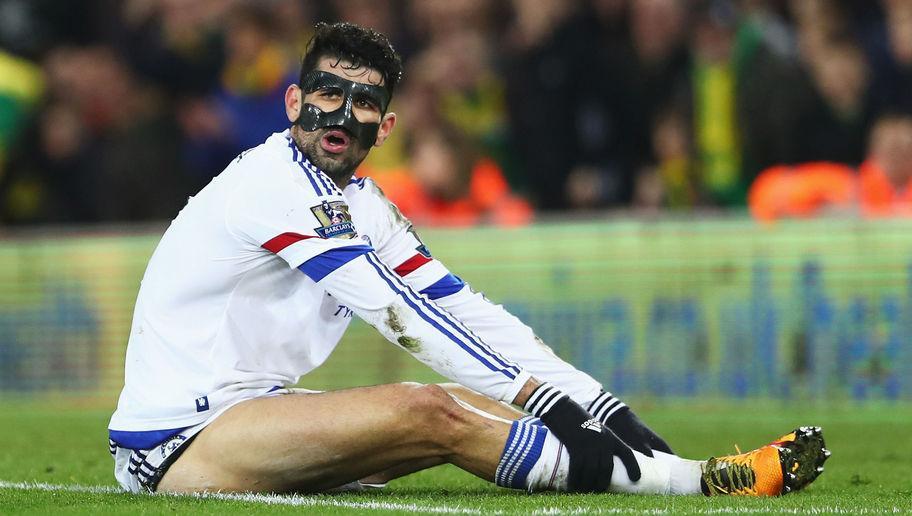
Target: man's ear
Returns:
[[294, 100], [386, 127]]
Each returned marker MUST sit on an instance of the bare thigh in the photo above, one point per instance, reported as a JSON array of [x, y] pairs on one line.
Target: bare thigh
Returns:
[[311, 442]]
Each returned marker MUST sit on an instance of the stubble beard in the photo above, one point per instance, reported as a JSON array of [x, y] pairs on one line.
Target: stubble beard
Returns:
[[339, 167]]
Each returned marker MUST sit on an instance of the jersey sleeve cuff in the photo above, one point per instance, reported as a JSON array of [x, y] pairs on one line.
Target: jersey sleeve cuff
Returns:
[[518, 383]]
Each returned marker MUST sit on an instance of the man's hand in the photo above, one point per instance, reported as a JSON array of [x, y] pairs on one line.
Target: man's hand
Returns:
[[592, 447], [626, 425]]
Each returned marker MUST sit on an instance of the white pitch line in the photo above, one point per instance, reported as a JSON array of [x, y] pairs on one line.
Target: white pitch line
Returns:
[[268, 499], [328, 501]]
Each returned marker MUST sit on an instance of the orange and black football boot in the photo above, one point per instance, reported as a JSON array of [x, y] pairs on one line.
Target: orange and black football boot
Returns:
[[785, 465]]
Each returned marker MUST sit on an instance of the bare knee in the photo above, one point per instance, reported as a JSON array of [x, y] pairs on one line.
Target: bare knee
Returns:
[[433, 411], [430, 400]]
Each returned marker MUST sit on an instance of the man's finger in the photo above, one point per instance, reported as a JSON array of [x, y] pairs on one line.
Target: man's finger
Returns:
[[606, 468], [586, 475], [629, 460]]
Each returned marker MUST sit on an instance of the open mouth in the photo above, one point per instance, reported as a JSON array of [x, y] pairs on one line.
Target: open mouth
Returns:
[[335, 141]]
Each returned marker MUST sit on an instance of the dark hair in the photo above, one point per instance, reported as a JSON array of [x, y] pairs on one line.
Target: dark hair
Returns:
[[359, 45]]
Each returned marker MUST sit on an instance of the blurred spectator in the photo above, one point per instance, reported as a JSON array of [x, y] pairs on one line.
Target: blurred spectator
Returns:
[[566, 107], [889, 45], [136, 142], [452, 80], [31, 28], [835, 122], [102, 150], [672, 181], [450, 183], [174, 44], [882, 187], [248, 104], [657, 69], [808, 96], [886, 176], [21, 86], [801, 191], [580, 104]]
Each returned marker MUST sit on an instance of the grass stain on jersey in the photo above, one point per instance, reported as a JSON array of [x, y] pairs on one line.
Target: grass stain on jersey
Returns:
[[393, 321], [410, 344]]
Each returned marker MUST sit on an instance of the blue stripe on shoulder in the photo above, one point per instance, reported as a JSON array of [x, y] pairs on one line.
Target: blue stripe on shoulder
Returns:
[[143, 440], [321, 265], [357, 181], [445, 286]]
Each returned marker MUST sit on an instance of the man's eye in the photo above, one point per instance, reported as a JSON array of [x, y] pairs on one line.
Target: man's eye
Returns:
[[330, 92], [366, 103]]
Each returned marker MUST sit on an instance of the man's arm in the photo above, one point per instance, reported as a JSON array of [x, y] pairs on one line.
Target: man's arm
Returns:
[[509, 336], [513, 339], [376, 294]]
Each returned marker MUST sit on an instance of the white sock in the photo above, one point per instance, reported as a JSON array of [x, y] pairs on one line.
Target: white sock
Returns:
[[662, 474], [655, 477], [550, 471], [685, 473]]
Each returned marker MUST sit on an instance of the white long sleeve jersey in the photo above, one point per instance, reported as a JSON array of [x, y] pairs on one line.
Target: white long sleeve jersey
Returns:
[[250, 287]]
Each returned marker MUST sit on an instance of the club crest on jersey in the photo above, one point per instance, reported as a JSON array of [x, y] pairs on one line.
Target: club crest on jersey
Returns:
[[168, 447], [335, 220]]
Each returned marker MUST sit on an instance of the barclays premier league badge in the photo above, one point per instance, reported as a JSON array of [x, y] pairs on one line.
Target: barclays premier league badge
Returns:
[[335, 220]]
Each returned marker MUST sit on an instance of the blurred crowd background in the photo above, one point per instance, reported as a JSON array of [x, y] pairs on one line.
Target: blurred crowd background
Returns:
[[119, 110]]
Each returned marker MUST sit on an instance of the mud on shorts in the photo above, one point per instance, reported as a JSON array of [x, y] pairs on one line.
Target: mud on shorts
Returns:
[[139, 471]]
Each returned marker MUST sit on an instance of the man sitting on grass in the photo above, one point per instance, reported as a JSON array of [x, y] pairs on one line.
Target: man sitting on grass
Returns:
[[254, 283]]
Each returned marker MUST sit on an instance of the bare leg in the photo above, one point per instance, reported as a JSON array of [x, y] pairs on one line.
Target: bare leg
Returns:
[[311, 442], [465, 395], [476, 401]]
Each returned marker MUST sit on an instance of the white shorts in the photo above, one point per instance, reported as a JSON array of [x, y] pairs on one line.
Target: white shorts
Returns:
[[140, 471]]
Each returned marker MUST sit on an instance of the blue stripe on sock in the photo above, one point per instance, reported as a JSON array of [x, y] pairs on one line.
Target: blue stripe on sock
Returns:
[[445, 286], [509, 446], [531, 455], [531, 420], [412, 299], [524, 441], [510, 452]]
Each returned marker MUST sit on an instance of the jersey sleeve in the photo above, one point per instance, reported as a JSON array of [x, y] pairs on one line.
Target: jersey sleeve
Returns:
[[424, 329], [516, 341], [307, 226], [412, 262]]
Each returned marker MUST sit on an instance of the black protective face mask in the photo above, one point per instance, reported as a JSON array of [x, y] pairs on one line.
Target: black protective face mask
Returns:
[[313, 118]]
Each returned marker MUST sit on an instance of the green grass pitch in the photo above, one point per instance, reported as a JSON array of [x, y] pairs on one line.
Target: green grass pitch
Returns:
[[55, 460]]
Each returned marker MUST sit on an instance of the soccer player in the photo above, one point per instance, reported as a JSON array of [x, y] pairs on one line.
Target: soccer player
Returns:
[[254, 283]]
